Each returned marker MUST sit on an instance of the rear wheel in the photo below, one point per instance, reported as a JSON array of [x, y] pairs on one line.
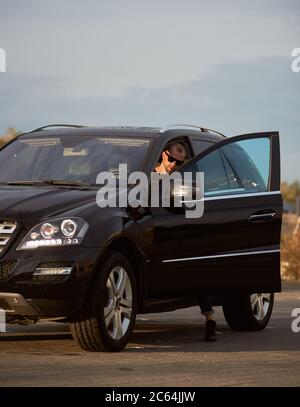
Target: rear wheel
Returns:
[[108, 317], [249, 312]]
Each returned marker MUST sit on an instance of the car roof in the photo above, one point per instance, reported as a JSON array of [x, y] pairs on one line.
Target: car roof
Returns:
[[131, 131]]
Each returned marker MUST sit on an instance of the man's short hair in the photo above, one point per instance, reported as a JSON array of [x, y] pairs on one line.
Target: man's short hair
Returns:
[[180, 147]]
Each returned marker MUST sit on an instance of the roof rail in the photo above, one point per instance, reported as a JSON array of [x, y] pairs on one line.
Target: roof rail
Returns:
[[77, 126], [190, 127]]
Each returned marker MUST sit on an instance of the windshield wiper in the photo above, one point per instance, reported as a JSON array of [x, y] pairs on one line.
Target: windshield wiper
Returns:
[[21, 182], [65, 182], [48, 182]]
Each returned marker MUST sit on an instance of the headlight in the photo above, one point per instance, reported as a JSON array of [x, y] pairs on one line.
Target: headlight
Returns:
[[47, 231], [56, 232], [69, 227]]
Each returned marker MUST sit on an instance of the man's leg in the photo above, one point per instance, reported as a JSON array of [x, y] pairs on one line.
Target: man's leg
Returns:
[[205, 303]]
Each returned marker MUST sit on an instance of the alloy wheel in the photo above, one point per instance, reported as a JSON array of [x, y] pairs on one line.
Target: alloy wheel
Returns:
[[118, 308], [260, 304]]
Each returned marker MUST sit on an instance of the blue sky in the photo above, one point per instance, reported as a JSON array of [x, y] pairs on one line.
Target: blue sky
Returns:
[[221, 64]]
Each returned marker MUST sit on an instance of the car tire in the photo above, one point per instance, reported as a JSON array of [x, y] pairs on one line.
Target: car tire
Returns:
[[108, 317], [249, 312]]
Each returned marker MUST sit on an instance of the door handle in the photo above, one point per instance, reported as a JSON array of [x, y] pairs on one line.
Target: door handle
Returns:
[[262, 217]]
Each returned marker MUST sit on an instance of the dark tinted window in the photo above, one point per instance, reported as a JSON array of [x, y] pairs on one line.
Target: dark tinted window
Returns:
[[251, 161], [215, 178], [231, 175], [200, 145], [236, 168]]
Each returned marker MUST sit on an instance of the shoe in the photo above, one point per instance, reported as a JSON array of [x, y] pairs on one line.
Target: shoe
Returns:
[[210, 331]]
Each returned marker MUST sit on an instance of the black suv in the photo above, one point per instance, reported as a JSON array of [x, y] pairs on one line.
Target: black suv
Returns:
[[63, 257]]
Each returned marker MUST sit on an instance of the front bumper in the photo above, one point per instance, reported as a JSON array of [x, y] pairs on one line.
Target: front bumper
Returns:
[[15, 305], [23, 294]]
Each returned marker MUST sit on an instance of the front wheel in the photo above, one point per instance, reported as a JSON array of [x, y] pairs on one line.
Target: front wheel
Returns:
[[249, 312], [107, 320]]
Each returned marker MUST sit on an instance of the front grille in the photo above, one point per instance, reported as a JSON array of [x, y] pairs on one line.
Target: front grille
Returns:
[[7, 229], [6, 267]]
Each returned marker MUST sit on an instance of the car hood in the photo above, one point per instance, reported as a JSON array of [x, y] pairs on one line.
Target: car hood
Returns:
[[30, 204]]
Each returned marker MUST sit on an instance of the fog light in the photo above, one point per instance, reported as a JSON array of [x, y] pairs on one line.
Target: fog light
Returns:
[[53, 271]]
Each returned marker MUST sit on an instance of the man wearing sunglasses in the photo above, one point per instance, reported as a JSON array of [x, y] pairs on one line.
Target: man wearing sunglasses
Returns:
[[174, 156]]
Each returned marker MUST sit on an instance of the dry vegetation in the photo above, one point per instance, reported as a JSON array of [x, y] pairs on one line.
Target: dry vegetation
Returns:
[[290, 248]]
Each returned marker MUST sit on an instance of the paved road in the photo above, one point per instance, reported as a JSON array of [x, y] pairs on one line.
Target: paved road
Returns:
[[165, 350]]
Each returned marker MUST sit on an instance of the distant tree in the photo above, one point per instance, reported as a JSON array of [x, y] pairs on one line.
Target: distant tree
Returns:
[[290, 256], [10, 134], [290, 192]]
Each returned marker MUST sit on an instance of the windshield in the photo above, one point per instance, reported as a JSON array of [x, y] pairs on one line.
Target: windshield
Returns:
[[69, 158]]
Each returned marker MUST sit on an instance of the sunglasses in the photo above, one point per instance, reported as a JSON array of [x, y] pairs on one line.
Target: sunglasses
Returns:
[[171, 159]]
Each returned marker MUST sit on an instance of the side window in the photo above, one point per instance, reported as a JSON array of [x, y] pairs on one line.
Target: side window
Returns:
[[250, 159], [200, 145], [231, 175], [215, 178]]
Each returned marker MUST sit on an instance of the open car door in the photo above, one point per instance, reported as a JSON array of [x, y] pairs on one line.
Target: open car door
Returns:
[[234, 247]]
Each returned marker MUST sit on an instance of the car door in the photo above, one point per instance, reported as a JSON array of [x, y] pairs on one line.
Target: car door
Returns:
[[235, 246]]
